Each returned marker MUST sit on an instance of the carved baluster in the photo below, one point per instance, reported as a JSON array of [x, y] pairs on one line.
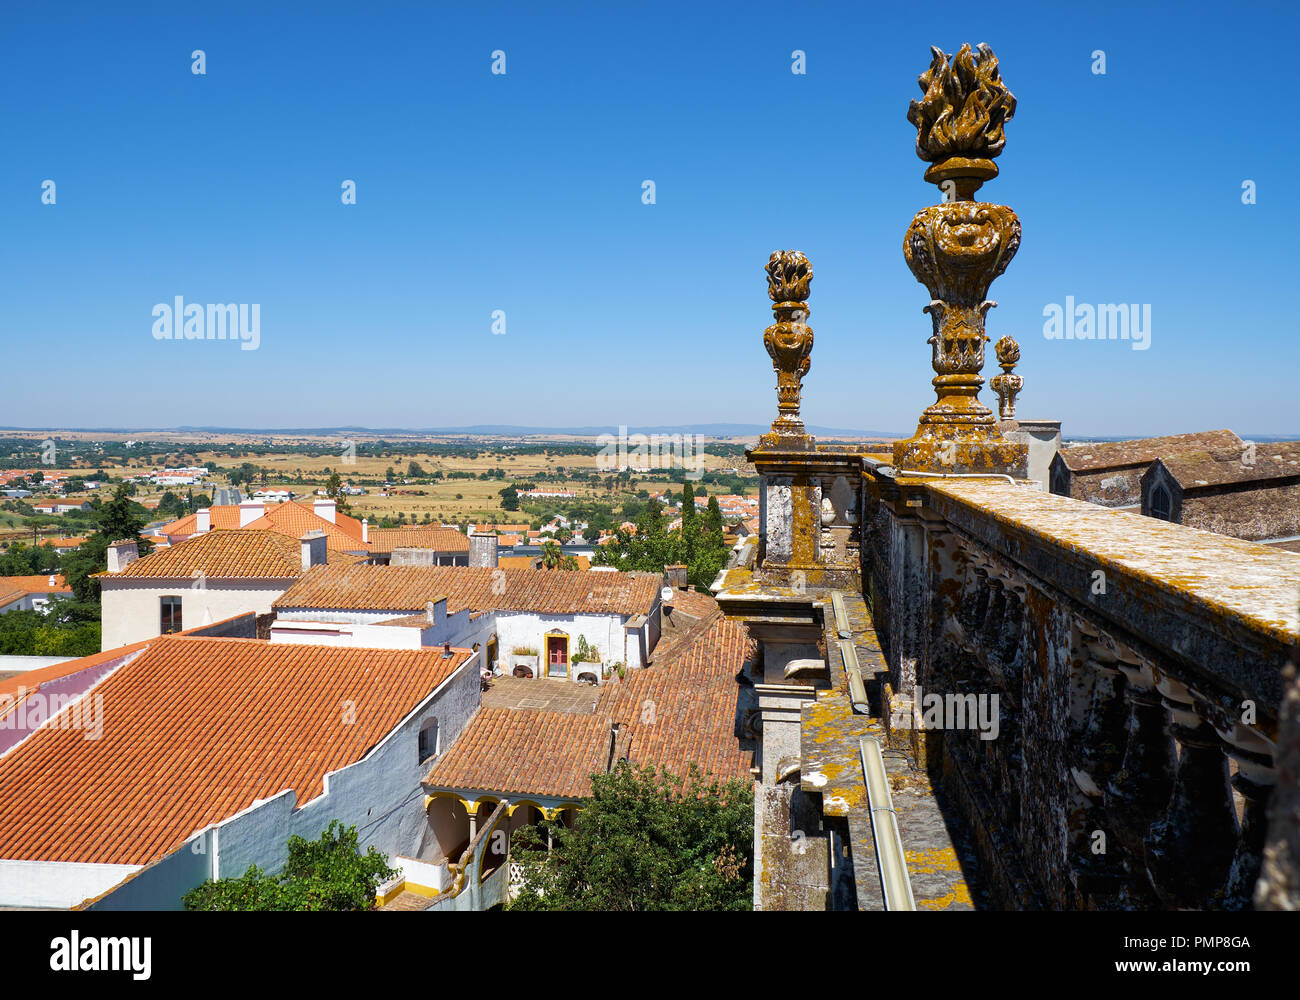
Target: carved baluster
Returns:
[[1139, 791], [1101, 750], [1013, 623], [1189, 851], [994, 610], [1255, 779], [969, 592]]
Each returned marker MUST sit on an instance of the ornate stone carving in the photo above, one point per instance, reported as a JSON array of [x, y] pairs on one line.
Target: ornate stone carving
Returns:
[[956, 249], [961, 118], [1007, 385], [789, 341]]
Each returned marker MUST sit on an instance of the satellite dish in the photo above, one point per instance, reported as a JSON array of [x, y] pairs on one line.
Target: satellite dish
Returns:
[[666, 594]]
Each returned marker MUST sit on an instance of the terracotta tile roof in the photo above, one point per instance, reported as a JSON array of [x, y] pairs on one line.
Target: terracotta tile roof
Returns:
[[1277, 460], [692, 694], [31, 680], [199, 729], [292, 518], [9, 595], [222, 516], [422, 537], [36, 584], [1141, 451], [64, 543], [240, 553], [526, 752], [408, 588], [695, 603], [296, 519]]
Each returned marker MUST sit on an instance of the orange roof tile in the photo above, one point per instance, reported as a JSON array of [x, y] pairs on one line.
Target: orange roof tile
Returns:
[[292, 518], [553, 754], [240, 553], [296, 519], [408, 588], [199, 729], [418, 537], [39, 584], [694, 693], [64, 543], [526, 751]]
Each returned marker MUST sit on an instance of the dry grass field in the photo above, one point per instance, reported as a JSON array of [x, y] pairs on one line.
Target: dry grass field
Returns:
[[289, 466]]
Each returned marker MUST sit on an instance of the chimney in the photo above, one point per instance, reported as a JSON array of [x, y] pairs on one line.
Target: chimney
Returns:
[[325, 509], [204, 520], [54, 581], [250, 511], [365, 531], [313, 549], [482, 549], [676, 575], [429, 615], [121, 555]]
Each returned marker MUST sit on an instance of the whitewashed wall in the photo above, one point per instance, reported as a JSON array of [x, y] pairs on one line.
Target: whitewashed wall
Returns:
[[131, 609]]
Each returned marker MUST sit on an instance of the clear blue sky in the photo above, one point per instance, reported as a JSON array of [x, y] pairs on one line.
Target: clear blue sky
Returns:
[[522, 192]]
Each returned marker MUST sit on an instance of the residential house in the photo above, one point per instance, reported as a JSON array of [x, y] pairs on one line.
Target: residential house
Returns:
[[190, 783], [31, 593], [545, 611], [203, 579]]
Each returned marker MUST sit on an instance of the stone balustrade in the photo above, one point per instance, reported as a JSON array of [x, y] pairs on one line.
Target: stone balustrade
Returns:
[[1121, 680]]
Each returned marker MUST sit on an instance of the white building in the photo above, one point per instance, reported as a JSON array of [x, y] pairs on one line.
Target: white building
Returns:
[[201, 580]]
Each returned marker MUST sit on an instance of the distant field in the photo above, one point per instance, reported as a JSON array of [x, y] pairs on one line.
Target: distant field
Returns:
[[295, 469]]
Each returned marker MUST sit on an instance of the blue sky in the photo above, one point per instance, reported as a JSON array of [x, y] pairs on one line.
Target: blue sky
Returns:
[[479, 192]]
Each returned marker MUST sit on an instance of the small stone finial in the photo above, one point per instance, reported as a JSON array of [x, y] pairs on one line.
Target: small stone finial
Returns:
[[960, 121], [1007, 385], [789, 276], [789, 340]]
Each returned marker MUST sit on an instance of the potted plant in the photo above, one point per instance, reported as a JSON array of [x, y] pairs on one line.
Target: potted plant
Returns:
[[523, 661]]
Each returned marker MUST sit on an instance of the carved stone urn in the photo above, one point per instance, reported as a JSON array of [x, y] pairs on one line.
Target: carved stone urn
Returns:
[[789, 343], [956, 249]]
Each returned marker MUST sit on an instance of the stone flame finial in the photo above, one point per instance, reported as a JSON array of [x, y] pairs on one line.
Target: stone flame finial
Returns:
[[961, 118], [1007, 385], [956, 249], [789, 341]]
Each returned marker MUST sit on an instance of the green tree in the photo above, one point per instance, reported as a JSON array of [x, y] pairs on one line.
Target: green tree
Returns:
[[120, 518], [334, 490], [509, 498], [644, 841], [325, 874]]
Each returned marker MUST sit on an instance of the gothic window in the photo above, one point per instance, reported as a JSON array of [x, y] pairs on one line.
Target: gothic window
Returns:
[[1161, 503]]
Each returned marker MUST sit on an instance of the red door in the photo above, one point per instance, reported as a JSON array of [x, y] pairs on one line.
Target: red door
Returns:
[[557, 656]]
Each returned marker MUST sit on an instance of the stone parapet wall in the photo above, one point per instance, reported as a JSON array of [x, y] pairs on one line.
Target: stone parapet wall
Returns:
[[1109, 687]]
